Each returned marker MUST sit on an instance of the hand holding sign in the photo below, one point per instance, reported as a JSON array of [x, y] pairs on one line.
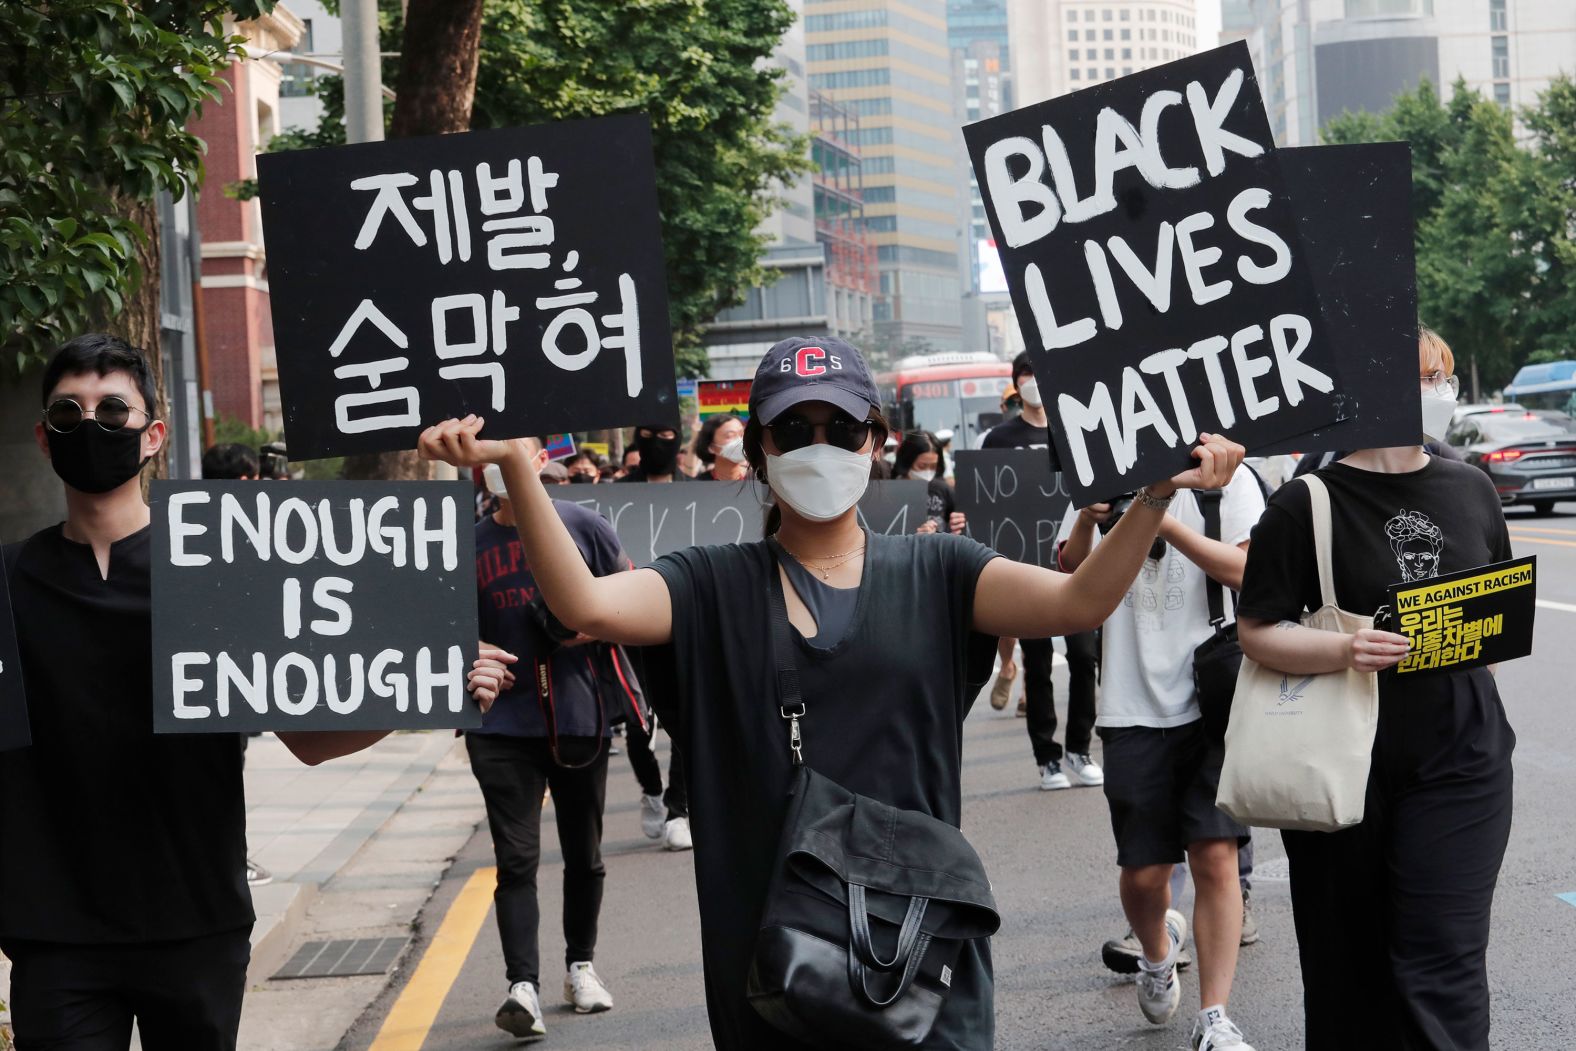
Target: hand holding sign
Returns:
[[1373, 650], [490, 675], [455, 442]]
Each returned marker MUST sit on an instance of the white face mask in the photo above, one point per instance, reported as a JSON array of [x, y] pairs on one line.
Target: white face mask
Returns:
[[922, 476], [1029, 391], [819, 482], [734, 451], [1439, 405]]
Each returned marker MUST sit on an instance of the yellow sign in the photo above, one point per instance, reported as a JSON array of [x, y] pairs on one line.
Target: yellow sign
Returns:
[[1479, 616]]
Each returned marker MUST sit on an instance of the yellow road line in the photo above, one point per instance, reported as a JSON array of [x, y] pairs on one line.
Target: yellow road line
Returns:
[[410, 1019], [1542, 540], [1546, 530]]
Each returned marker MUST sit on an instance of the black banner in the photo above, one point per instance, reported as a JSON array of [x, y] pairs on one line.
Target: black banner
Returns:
[[1154, 264], [653, 520], [1463, 620], [515, 273], [14, 731], [313, 606], [1014, 502]]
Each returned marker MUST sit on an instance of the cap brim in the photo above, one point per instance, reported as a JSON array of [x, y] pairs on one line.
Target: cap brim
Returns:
[[856, 405]]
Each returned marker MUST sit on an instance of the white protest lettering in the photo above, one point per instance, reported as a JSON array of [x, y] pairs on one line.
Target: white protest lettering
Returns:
[[1208, 118], [180, 530], [389, 542], [1053, 335], [1249, 369], [388, 201], [293, 507], [1140, 410], [182, 685], [1156, 285], [1159, 175], [446, 535], [1195, 259], [232, 516], [366, 310], [1009, 194], [428, 680], [1074, 208], [358, 532], [292, 607], [1104, 287], [383, 684], [253, 689], [1167, 363], [283, 700], [1208, 351], [1098, 415], [1249, 200], [1294, 372], [346, 705], [326, 592]]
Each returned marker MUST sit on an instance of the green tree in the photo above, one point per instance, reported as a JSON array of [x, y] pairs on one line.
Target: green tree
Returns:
[[95, 96], [1493, 225], [1552, 123]]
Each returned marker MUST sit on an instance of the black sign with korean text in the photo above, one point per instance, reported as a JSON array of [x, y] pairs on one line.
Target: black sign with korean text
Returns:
[[313, 606], [1463, 620], [1155, 269], [655, 519], [14, 731], [515, 273], [1354, 217], [1014, 502]]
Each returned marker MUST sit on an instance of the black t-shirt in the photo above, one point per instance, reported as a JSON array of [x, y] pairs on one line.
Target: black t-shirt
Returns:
[[940, 502], [1389, 528], [109, 834], [884, 717], [1017, 433]]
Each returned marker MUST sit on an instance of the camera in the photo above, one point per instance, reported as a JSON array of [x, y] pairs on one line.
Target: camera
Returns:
[[1119, 506]]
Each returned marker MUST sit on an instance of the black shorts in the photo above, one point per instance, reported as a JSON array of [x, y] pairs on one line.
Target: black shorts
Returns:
[[1161, 786]]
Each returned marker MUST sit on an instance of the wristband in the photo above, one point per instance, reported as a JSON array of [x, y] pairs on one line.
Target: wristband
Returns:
[[1148, 499]]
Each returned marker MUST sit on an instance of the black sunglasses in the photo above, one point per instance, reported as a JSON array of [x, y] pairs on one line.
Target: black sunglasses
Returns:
[[796, 432], [111, 414]]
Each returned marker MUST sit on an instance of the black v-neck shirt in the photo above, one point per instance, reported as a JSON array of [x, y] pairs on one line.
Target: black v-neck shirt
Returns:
[[109, 834], [884, 717]]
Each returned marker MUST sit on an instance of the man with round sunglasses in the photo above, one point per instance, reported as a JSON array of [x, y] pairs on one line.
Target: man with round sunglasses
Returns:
[[161, 938]]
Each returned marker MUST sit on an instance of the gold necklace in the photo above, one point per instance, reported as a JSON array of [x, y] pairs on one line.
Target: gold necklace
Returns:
[[837, 561]]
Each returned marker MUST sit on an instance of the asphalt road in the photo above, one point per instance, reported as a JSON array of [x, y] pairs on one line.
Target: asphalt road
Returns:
[[1052, 862]]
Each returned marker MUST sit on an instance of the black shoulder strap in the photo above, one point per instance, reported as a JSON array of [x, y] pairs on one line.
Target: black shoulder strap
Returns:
[[1209, 504], [790, 702]]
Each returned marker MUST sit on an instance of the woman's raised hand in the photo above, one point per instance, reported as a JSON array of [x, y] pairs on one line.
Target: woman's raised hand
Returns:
[[455, 442], [1218, 459]]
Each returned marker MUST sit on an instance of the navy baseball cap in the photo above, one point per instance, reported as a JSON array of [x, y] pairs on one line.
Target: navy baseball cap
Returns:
[[800, 369]]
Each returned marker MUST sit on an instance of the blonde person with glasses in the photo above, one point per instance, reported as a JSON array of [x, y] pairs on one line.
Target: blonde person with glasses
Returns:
[[1392, 915]]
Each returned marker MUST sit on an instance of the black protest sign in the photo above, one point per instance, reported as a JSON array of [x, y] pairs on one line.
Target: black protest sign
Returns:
[[516, 274], [1462, 620], [13, 701], [1154, 266], [653, 519], [313, 606], [1014, 502], [1354, 215]]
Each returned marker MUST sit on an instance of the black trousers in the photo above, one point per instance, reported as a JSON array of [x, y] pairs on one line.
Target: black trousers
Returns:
[[514, 772], [648, 771], [185, 995], [1083, 668], [1392, 915]]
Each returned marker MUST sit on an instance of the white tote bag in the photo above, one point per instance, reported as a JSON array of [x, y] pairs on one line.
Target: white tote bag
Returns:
[[1298, 747]]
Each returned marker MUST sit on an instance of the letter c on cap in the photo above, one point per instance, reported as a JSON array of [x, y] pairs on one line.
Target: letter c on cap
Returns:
[[808, 362]]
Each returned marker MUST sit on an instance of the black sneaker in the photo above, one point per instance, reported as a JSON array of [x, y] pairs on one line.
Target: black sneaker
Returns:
[[1122, 954]]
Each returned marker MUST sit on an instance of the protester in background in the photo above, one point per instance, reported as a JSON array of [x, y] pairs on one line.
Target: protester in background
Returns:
[[628, 462], [273, 462], [889, 720], [921, 458], [161, 936], [555, 473], [1393, 915], [1031, 430], [657, 456], [531, 743], [229, 461], [1163, 768], [582, 468], [720, 446]]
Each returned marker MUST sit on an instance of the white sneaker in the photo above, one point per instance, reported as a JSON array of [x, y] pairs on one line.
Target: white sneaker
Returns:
[[1159, 990], [676, 835], [585, 990], [1052, 778], [1220, 1034], [653, 815], [1084, 769], [521, 1013]]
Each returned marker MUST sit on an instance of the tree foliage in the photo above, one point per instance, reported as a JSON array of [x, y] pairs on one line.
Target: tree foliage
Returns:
[[95, 96], [1496, 268]]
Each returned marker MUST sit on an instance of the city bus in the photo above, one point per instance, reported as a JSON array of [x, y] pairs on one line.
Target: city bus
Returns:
[[958, 392], [1551, 385]]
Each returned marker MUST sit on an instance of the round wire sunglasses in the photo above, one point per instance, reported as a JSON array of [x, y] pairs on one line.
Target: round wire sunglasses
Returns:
[[112, 413]]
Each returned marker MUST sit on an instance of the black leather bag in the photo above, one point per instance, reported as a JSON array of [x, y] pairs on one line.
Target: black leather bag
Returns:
[[1218, 658], [869, 906]]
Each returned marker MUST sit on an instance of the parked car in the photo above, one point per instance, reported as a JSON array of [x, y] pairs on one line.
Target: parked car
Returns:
[[1529, 455], [1463, 411]]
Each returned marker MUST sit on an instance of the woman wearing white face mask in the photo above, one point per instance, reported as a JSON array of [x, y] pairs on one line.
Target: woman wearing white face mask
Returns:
[[922, 458], [892, 640], [720, 447], [1392, 915]]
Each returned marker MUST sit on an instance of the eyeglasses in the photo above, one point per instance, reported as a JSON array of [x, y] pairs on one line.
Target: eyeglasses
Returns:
[[796, 432], [1438, 381], [111, 414]]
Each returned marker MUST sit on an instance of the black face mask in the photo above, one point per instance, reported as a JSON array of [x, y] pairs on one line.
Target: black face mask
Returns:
[[657, 455], [93, 460], [580, 479]]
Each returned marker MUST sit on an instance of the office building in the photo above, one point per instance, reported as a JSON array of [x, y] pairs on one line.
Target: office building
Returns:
[[853, 278], [888, 61], [1063, 45]]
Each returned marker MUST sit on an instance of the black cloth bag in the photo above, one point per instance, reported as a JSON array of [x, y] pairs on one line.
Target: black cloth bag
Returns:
[[868, 908], [1218, 658]]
